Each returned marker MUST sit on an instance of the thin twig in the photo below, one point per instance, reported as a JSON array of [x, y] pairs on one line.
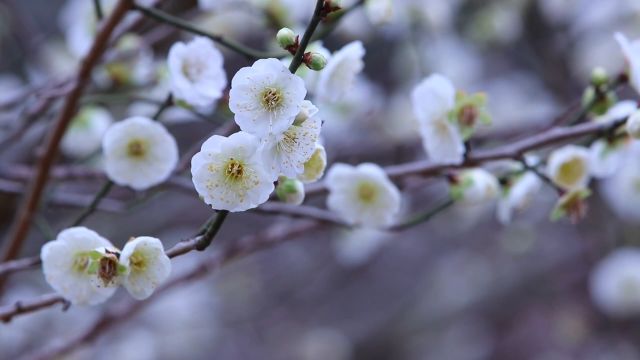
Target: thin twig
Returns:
[[306, 38], [93, 206], [164, 17]]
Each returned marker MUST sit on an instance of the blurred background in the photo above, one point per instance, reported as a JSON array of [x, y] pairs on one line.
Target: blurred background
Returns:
[[460, 287]]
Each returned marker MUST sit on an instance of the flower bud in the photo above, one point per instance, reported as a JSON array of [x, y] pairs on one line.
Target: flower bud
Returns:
[[286, 38], [316, 61], [290, 191], [599, 76], [475, 186], [633, 125], [315, 166]]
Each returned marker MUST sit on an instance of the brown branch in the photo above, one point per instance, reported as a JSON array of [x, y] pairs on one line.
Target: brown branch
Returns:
[[239, 248], [513, 150], [27, 306], [22, 224]]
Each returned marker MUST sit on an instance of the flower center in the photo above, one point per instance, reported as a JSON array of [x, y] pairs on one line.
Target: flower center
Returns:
[[137, 262], [467, 115], [234, 170], [271, 98], [192, 69], [367, 192], [136, 148], [571, 171]]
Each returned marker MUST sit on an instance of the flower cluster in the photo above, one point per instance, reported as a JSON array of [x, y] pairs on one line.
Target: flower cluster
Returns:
[[279, 137], [86, 268]]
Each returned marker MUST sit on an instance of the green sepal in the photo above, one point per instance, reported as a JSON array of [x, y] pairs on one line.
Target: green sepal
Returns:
[[93, 267], [122, 269], [457, 190]]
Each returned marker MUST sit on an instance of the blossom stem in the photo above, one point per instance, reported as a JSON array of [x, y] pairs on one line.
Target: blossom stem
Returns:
[[177, 22], [306, 38], [164, 106], [98, 8], [423, 217], [211, 230]]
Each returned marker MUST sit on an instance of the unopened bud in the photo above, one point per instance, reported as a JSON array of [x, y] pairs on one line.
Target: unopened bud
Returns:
[[315, 61], [290, 191], [286, 38], [599, 76]]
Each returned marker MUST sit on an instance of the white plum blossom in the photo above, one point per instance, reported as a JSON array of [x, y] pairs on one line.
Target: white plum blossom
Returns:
[[337, 78], [266, 97], [84, 135], [633, 125], [568, 167], [139, 152], [228, 173], [147, 266], [362, 195], [315, 166], [196, 72], [631, 52], [518, 196], [615, 283], [621, 190], [66, 264], [478, 186], [286, 153], [432, 100]]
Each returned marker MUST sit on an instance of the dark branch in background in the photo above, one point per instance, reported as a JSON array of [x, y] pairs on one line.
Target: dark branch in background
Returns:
[[306, 38], [104, 191], [424, 217], [161, 16], [20, 228]]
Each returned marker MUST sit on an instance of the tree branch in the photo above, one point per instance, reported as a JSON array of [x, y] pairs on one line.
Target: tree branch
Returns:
[[20, 228]]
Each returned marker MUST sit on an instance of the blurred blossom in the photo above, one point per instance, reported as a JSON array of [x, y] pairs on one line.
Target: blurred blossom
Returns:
[[621, 190], [604, 158], [615, 283], [84, 135], [355, 247]]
